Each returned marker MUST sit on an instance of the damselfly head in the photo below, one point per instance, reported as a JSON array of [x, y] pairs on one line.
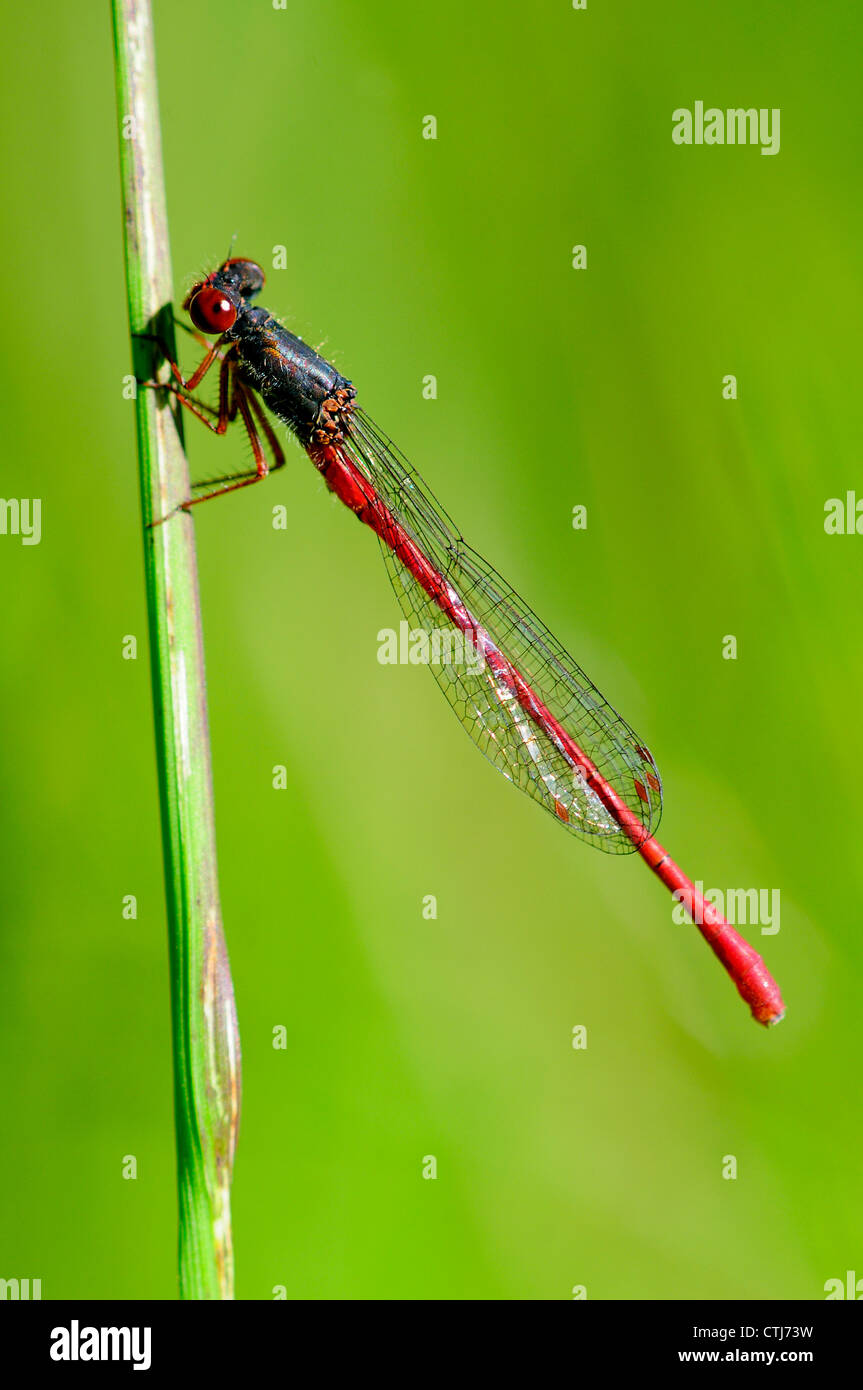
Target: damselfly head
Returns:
[[214, 303], [246, 277]]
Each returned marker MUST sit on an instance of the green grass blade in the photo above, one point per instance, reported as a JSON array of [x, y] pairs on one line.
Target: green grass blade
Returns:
[[204, 1026]]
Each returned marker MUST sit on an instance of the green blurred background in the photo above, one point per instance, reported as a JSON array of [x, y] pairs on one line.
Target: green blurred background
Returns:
[[409, 1037]]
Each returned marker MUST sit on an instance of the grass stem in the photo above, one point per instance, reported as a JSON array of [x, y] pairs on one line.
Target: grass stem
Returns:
[[206, 1048]]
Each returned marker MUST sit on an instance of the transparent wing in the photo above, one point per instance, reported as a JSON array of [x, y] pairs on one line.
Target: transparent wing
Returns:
[[480, 677]]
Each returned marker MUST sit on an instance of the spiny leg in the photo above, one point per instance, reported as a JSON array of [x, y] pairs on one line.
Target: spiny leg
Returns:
[[240, 403], [269, 432], [213, 354], [225, 414], [234, 399], [241, 397]]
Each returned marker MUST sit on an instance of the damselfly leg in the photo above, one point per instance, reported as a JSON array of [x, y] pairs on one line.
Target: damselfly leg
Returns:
[[235, 398]]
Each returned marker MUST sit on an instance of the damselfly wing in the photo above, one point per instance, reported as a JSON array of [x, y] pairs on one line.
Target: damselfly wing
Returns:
[[482, 639]]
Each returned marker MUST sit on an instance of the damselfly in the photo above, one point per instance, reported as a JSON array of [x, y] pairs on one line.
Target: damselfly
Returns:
[[526, 704]]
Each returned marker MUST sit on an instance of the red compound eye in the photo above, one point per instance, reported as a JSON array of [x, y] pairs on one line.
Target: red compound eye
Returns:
[[211, 311]]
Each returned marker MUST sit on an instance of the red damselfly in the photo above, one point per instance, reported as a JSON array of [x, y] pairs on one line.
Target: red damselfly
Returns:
[[526, 704]]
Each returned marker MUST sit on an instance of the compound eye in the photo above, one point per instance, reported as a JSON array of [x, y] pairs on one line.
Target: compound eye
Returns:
[[211, 311]]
